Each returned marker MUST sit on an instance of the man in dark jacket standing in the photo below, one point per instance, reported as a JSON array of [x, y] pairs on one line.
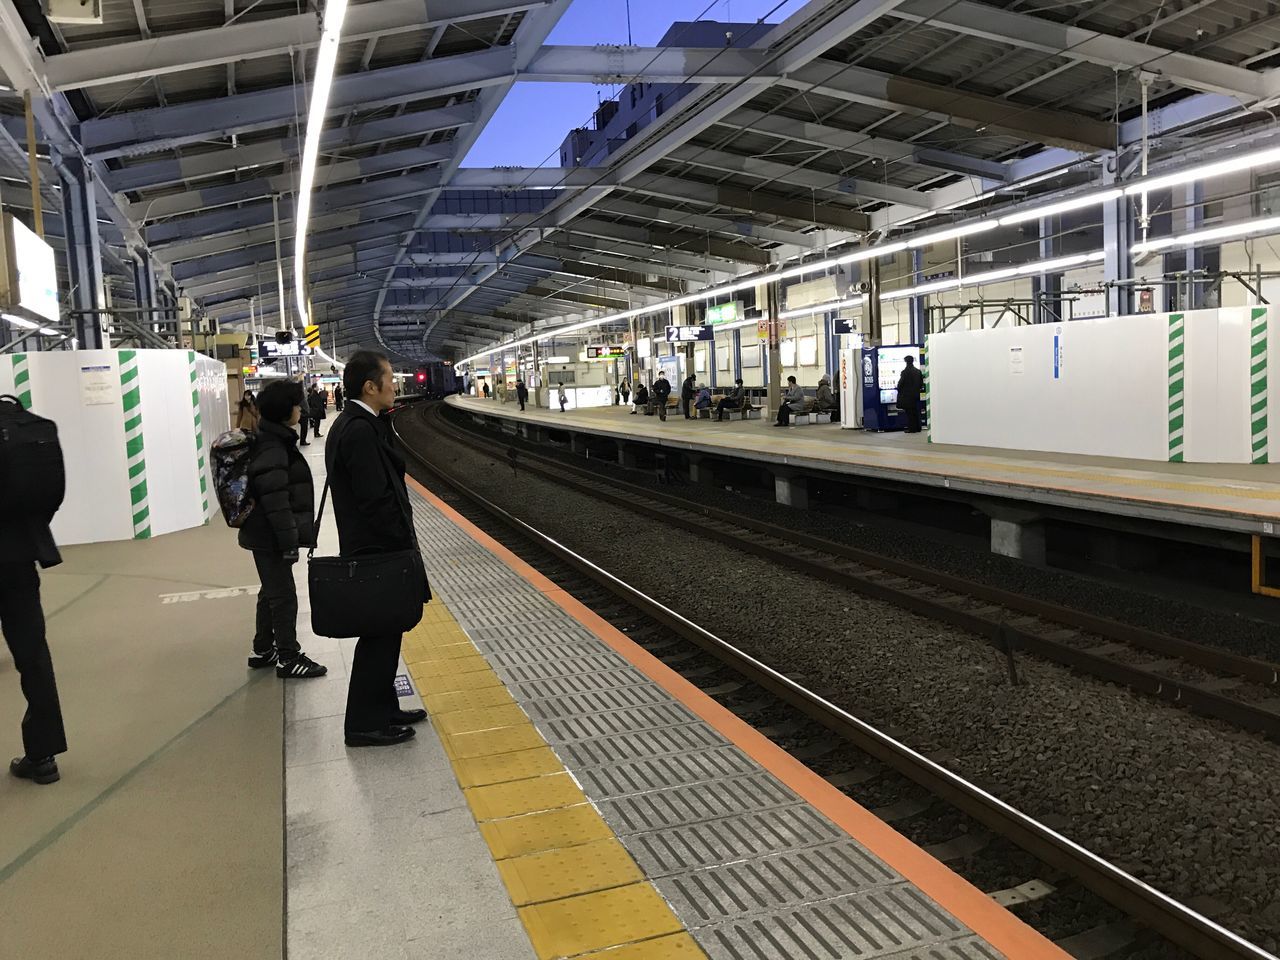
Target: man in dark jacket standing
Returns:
[[522, 393], [910, 386], [281, 523], [661, 390], [316, 403], [686, 394], [373, 512], [26, 540]]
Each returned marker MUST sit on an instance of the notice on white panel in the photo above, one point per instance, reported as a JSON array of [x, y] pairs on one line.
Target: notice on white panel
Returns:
[[1057, 353], [1016, 361], [98, 386]]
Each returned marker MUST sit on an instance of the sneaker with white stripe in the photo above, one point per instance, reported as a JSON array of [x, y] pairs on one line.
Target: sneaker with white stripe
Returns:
[[300, 667]]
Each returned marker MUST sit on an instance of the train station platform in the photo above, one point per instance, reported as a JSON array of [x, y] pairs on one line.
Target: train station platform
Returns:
[[570, 797], [1225, 497]]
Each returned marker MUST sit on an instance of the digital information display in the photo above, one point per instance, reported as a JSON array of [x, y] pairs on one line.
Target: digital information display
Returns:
[[725, 312], [37, 272], [270, 350], [606, 352], [689, 334]]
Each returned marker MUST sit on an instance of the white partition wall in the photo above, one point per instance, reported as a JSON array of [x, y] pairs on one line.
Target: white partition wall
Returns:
[[135, 427], [1180, 386]]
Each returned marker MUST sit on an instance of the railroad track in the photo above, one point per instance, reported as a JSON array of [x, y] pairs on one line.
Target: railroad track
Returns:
[[1210, 681], [1177, 923]]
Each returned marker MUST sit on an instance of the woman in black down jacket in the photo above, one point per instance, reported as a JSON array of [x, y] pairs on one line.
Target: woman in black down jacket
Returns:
[[282, 522]]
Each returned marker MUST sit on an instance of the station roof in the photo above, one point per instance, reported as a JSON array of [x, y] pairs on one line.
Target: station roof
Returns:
[[785, 139]]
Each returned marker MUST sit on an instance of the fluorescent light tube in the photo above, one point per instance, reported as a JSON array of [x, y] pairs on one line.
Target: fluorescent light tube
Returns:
[[822, 307], [1244, 161], [953, 233], [322, 85], [22, 322], [1236, 230], [1053, 209]]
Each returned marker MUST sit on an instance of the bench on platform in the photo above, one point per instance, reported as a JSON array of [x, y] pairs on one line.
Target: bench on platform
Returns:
[[813, 416]]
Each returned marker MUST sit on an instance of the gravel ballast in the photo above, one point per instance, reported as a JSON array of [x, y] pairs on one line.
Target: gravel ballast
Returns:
[[1187, 804]]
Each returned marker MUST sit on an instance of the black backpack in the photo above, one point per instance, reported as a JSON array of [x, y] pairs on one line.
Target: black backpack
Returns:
[[33, 477]]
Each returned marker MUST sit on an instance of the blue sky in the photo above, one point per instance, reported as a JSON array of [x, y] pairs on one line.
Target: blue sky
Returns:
[[534, 118]]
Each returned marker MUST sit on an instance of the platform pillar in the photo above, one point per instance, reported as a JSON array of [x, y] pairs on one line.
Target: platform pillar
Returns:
[[791, 490], [83, 251], [532, 432], [1022, 539], [577, 443], [700, 470], [626, 455]]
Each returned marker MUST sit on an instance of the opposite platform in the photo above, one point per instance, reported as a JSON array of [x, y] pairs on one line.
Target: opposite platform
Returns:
[[1234, 497], [632, 817]]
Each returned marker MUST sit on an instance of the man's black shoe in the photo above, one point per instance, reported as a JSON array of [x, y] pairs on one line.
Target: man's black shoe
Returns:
[[402, 718], [41, 771], [380, 738]]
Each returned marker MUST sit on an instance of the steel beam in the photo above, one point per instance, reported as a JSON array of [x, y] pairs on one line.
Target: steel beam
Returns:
[[695, 221], [161, 173], [344, 171], [164, 128], [667, 239], [246, 40], [84, 253], [930, 101], [771, 170], [607, 64], [1081, 43]]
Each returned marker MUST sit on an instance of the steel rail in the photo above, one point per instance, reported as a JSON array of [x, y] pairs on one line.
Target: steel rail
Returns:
[[1175, 921], [906, 585]]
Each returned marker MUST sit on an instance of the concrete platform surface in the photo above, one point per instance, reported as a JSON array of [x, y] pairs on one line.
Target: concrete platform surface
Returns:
[[1237, 497]]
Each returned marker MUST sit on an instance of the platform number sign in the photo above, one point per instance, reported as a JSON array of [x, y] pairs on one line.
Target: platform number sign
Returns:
[[683, 334]]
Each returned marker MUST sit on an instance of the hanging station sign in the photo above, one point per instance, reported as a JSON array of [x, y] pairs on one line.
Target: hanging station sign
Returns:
[[724, 312], [606, 351], [681, 334]]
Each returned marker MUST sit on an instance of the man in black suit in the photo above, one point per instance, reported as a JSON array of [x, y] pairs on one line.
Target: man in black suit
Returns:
[[26, 540], [373, 512]]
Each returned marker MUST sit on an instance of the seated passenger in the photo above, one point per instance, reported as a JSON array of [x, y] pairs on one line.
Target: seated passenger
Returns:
[[703, 401], [733, 401], [641, 398], [793, 401], [826, 400]]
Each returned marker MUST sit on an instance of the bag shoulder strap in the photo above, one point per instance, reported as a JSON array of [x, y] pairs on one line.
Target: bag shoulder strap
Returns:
[[319, 518]]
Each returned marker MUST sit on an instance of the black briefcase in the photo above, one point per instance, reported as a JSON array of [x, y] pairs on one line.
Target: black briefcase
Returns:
[[365, 594]]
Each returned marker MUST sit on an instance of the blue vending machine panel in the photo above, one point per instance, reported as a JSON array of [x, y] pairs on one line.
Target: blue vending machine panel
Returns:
[[881, 368]]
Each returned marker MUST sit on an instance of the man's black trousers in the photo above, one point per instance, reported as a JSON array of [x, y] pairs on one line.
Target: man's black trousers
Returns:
[[22, 620], [371, 695]]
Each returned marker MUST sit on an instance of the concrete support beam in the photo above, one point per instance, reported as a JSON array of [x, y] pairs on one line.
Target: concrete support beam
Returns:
[[626, 455], [1020, 536], [701, 470], [790, 489]]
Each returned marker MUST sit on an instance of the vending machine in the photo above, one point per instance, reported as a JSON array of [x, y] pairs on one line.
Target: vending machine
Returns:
[[881, 368]]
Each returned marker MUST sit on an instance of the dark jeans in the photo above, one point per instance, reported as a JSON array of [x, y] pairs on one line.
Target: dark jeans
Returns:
[[660, 404], [277, 620], [684, 406], [315, 426], [784, 414], [725, 404], [371, 694], [912, 410], [22, 620], [304, 423]]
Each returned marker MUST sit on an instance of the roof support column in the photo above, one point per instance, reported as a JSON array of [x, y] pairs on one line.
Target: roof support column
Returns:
[[1117, 238], [84, 251], [918, 306], [144, 286], [1198, 258], [1046, 288]]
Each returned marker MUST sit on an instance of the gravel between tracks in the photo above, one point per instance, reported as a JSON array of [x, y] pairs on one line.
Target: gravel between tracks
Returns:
[[1187, 804]]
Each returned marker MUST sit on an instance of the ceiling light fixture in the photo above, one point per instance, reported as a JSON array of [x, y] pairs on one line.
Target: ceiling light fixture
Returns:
[[322, 85], [1240, 230]]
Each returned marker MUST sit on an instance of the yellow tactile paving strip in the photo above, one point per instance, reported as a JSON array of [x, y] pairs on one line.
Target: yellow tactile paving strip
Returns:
[[576, 889]]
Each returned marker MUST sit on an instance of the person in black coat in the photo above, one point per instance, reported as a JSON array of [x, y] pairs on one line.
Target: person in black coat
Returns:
[[337, 398], [686, 394], [661, 390], [910, 387], [522, 393], [25, 541], [281, 523], [317, 402], [373, 512]]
